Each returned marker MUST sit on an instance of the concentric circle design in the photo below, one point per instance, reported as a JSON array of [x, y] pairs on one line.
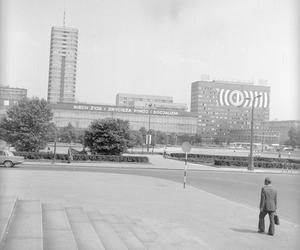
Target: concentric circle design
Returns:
[[243, 98], [236, 98]]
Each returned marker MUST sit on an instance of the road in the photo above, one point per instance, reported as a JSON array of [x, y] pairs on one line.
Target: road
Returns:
[[243, 188]]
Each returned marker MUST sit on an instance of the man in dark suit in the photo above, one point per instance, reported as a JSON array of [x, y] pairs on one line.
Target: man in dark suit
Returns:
[[268, 205]]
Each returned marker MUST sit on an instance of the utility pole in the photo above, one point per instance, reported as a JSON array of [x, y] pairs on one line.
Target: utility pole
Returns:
[[148, 136], [251, 165], [263, 137]]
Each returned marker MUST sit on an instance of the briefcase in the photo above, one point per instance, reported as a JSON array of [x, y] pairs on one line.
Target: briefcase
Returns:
[[276, 219]]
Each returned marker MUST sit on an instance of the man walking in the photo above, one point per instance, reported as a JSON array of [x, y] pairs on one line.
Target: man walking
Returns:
[[268, 205]]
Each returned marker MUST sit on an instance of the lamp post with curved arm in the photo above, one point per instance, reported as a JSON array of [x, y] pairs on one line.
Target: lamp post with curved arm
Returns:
[[251, 165], [149, 134]]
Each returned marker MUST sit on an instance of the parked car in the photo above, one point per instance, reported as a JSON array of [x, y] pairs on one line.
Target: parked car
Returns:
[[8, 159], [288, 149]]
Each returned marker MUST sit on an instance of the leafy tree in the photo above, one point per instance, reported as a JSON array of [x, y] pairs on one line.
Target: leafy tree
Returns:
[[217, 140], [193, 139], [107, 136], [27, 126], [136, 138], [80, 137], [143, 132], [67, 134], [161, 138], [294, 137]]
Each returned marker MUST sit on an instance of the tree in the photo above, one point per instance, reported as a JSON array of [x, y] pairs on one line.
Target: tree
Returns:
[[107, 136], [161, 138], [27, 126], [68, 134], [144, 132], [136, 138], [294, 137]]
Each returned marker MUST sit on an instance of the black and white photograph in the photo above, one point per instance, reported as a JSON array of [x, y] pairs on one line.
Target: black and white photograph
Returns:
[[149, 124]]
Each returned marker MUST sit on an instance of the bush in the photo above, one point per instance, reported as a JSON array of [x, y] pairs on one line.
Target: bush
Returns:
[[239, 161], [82, 157]]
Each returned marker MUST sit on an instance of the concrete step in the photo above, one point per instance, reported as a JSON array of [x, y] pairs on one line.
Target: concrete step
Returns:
[[124, 232], [7, 206], [172, 237], [84, 233], [106, 233], [25, 229], [57, 231], [145, 234]]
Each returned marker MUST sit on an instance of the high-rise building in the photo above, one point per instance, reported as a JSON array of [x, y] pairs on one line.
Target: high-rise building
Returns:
[[223, 106], [62, 65]]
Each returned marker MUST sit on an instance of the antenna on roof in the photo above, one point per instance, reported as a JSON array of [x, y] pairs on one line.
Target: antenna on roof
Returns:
[[64, 22]]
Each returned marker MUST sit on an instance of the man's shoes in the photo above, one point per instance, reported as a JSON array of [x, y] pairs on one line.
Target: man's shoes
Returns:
[[272, 234], [260, 231]]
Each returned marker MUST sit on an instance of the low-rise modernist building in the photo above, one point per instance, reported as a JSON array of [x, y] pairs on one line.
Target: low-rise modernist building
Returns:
[[282, 127], [81, 115], [10, 96], [223, 106], [145, 101], [263, 137]]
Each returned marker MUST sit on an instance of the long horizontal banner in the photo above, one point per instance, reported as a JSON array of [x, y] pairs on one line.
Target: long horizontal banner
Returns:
[[107, 108]]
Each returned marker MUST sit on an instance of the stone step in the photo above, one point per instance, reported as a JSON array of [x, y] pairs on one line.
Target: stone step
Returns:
[[173, 237], [84, 233], [25, 229], [106, 233], [151, 239], [7, 206], [57, 231], [129, 238]]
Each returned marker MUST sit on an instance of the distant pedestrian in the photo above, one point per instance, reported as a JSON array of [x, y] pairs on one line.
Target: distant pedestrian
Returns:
[[268, 205], [165, 152], [70, 155]]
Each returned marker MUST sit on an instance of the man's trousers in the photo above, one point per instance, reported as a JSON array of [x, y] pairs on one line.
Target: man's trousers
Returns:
[[261, 223]]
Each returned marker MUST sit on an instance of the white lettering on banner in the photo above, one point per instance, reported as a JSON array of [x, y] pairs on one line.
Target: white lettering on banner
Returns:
[[96, 108], [142, 111], [125, 110], [80, 107], [162, 112]]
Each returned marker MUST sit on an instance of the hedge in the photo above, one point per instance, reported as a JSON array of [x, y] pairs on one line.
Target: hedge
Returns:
[[82, 157], [239, 161]]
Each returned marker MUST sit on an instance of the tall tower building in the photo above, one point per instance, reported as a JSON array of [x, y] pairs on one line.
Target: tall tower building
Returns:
[[62, 64]]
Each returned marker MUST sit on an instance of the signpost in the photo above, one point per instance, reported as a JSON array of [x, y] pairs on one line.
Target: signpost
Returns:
[[186, 147]]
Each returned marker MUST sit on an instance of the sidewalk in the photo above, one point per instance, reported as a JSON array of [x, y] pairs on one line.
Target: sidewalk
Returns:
[[185, 218], [158, 162]]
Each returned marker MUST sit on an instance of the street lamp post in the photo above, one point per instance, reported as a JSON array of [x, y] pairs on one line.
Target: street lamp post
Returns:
[[263, 138], [251, 165], [55, 140], [149, 135]]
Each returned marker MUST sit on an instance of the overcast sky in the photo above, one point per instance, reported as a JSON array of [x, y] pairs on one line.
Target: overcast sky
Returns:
[[157, 46]]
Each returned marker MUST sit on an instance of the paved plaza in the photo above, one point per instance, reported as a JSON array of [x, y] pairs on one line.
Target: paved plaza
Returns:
[[174, 217]]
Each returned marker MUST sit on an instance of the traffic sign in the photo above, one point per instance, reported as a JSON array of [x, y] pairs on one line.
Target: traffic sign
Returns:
[[186, 147]]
